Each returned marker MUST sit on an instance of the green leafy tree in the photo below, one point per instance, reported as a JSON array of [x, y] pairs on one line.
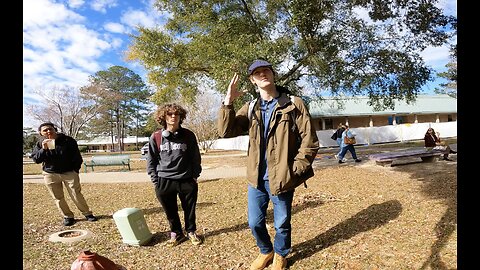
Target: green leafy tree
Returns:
[[450, 87], [123, 96], [368, 47], [30, 138]]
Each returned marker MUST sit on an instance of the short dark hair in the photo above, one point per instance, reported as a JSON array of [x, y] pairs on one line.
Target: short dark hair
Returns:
[[47, 124]]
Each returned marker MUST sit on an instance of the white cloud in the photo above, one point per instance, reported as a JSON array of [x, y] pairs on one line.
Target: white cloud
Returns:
[[449, 7], [115, 28], [41, 13], [134, 18], [76, 3], [58, 48], [102, 5], [436, 57]]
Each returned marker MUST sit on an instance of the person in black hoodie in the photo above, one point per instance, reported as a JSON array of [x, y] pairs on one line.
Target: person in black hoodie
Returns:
[[61, 162], [174, 165]]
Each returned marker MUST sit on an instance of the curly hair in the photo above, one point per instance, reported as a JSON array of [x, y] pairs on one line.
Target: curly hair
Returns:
[[162, 111]]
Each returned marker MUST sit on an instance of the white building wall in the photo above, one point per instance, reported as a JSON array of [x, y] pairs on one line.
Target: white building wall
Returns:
[[364, 135]]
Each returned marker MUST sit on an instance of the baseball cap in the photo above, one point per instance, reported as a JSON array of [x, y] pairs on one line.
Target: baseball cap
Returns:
[[257, 64]]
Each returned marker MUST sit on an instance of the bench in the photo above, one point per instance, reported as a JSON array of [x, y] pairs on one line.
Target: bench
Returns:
[[108, 160], [426, 154]]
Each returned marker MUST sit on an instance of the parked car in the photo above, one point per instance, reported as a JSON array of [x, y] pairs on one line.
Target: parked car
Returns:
[[144, 149]]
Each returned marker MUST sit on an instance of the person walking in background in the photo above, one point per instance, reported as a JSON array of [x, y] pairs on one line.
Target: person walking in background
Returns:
[[337, 136], [174, 165], [282, 147], [347, 146], [433, 141], [61, 162]]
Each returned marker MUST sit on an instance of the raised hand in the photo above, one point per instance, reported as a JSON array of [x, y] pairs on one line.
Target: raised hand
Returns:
[[232, 91]]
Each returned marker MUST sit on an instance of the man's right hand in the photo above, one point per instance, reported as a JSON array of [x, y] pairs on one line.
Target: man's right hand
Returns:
[[232, 92]]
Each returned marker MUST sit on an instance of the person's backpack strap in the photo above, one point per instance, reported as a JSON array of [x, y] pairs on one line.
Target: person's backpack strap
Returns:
[[250, 108], [157, 136]]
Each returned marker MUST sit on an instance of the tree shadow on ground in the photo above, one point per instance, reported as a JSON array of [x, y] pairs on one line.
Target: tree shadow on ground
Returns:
[[372, 217], [269, 218], [439, 182], [159, 237]]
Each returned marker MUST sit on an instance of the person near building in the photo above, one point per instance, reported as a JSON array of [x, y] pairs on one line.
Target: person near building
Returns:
[[337, 136], [61, 162], [434, 142], [347, 133]]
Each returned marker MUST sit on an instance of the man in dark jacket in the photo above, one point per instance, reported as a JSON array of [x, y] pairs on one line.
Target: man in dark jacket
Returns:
[[61, 162], [282, 147]]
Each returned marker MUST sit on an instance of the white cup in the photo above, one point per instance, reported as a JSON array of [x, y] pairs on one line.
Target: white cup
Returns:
[[51, 144]]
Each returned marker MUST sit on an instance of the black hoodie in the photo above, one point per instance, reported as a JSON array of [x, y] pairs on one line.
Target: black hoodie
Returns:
[[65, 157]]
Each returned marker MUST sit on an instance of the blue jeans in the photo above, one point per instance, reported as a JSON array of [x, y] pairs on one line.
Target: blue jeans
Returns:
[[258, 200], [348, 147]]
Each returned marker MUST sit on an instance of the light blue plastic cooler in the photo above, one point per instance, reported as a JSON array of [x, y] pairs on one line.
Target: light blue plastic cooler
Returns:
[[132, 226]]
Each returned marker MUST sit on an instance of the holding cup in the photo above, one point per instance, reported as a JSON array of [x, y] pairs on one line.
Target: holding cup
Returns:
[[51, 144]]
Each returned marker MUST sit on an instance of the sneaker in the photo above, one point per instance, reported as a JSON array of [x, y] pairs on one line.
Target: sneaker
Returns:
[[336, 156], [341, 161], [175, 239], [262, 261], [279, 262], [68, 221], [91, 217], [358, 160], [194, 238], [447, 159]]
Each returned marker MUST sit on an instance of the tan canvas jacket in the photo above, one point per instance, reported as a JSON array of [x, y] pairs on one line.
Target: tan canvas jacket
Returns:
[[289, 162]]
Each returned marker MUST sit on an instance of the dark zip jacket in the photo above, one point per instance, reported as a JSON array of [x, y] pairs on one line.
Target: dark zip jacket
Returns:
[[65, 157]]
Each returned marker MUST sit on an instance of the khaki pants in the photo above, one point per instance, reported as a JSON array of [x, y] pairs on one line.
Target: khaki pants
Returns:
[[71, 181]]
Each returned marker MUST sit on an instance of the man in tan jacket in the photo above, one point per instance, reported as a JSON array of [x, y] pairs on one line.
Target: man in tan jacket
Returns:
[[282, 146]]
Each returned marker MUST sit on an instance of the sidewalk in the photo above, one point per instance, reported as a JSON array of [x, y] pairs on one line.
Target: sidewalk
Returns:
[[325, 158], [135, 177]]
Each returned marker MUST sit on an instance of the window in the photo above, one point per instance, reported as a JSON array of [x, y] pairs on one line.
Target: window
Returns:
[[398, 120], [328, 123]]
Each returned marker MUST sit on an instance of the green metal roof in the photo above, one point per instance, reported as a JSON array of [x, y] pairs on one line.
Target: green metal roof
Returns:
[[349, 106]]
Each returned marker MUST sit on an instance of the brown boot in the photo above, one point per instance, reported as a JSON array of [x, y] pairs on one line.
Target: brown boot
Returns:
[[279, 262], [261, 261]]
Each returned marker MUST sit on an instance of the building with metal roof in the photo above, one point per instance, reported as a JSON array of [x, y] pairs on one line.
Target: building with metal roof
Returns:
[[355, 112]]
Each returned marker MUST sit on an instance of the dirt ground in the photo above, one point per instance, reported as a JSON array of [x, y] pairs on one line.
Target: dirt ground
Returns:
[[353, 216]]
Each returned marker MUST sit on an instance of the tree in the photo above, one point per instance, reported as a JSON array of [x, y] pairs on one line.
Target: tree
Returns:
[[123, 96], [201, 118], [64, 107], [30, 138], [450, 87], [368, 47]]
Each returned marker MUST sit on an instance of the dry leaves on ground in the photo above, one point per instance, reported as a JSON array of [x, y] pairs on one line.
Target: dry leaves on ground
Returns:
[[359, 216]]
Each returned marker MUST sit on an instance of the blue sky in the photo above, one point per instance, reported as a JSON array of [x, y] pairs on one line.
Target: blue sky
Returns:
[[64, 42]]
